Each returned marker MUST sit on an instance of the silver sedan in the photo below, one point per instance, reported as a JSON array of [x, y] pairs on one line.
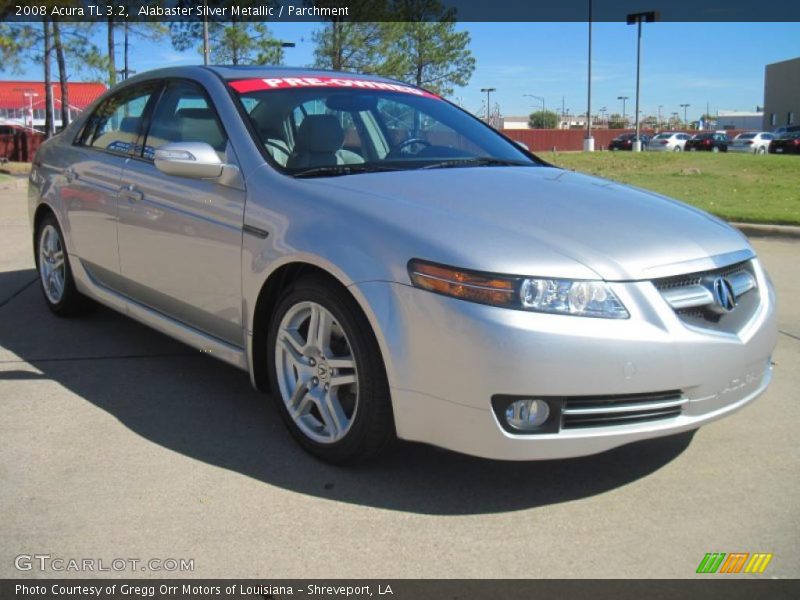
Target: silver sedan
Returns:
[[387, 266], [752, 142], [668, 141]]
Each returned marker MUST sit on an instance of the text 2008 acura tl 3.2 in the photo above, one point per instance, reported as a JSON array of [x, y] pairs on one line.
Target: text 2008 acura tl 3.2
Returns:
[[389, 266]]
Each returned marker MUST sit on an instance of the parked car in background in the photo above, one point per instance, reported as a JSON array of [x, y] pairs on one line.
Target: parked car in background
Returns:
[[625, 141], [708, 142], [786, 143], [751, 142], [668, 141], [785, 129], [388, 265]]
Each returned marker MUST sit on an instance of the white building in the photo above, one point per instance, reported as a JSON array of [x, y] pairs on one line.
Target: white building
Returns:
[[736, 119], [515, 123]]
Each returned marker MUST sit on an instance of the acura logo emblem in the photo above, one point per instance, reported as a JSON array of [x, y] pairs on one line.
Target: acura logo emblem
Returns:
[[724, 295]]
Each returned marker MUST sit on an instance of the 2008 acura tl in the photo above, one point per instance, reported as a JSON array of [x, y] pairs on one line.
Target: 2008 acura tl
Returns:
[[389, 266]]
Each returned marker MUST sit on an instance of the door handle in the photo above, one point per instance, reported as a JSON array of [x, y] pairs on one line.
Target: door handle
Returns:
[[70, 175], [132, 193]]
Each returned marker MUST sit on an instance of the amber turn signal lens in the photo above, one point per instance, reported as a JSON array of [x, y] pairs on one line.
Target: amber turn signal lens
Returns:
[[466, 285]]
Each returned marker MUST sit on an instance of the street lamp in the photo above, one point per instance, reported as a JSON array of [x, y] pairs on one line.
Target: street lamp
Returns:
[[30, 96], [684, 107], [588, 142], [624, 120], [637, 18], [660, 106], [541, 98], [488, 105]]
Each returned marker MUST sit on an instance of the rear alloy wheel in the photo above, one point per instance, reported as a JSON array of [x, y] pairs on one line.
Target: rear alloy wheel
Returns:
[[55, 275], [677, 149], [761, 150], [327, 374]]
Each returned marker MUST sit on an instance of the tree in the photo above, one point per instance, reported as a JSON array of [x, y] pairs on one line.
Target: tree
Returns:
[[425, 49], [348, 46], [241, 43], [616, 121], [356, 44], [546, 119]]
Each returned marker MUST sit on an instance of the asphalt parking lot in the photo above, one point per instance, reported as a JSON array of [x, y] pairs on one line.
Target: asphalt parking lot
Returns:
[[117, 442]]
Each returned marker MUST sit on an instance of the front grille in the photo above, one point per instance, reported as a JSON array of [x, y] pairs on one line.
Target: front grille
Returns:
[[678, 281], [691, 297], [605, 411]]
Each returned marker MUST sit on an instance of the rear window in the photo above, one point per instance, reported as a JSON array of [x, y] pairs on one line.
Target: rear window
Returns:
[[747, 136], [663, 136]]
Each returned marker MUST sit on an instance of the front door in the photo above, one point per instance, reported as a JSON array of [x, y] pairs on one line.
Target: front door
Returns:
[[180, 239], [91, 182]]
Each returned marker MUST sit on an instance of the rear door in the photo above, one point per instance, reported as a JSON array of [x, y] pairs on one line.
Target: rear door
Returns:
[[91, 181], [180, 239]]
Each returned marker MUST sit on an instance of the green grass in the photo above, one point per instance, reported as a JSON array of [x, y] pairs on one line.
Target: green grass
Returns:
[[736, 187]]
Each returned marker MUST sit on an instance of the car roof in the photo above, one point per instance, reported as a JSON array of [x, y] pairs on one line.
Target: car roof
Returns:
[[266, 72]]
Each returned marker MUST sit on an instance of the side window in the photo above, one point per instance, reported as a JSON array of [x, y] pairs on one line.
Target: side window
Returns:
[[184, 114], [115, 125]]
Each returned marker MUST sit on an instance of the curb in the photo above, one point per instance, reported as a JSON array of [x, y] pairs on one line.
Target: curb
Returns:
[[761, 230]]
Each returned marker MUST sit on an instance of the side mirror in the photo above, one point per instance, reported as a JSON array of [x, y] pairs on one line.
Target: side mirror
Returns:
[[196, 160], [523, 145]]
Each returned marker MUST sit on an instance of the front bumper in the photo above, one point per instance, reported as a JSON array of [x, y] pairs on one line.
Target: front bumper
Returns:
[[447, 358]]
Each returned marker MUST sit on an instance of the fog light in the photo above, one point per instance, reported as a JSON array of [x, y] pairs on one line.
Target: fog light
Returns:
[[527, 414]]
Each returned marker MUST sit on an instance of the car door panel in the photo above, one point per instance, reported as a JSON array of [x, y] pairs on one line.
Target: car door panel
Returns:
[[180, 240], [90, 184]]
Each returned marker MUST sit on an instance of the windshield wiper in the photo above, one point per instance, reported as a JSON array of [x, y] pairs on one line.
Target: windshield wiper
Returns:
[[339, 170], [477, 161]]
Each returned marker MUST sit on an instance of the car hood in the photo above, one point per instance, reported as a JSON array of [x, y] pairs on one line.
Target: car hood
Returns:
[[525, 219]]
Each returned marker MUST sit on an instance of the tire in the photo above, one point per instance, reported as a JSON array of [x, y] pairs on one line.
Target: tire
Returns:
[[677, 149], [55, 274], [341, 423], [761, 150]]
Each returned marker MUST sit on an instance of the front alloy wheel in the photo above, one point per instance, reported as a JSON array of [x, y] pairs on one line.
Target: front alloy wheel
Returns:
[[327, 374], [317, 374]]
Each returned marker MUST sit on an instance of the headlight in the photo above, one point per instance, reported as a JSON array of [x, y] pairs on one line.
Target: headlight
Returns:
[[557, 296]]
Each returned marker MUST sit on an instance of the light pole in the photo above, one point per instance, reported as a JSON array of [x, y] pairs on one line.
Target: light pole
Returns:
[[588, 142], [540, 98], [685, 120], [488, 104], [624, 120], [660, 106], [637, 18], [30, 96]]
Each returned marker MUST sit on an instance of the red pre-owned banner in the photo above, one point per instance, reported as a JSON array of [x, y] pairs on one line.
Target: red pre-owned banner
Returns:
[[277, 83]]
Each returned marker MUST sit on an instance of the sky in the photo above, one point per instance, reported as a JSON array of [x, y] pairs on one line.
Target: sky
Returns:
[[719, 65]]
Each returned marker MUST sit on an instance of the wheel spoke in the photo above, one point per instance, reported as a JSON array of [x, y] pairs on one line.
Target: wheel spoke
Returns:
[[332, 414], [300, 400], [292, 346], [343, 362], [344, 379], [319, 328]]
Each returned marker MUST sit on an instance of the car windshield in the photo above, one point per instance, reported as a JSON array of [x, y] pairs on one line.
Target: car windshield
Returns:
[[703, 136], [326, 126], [624, 136]]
